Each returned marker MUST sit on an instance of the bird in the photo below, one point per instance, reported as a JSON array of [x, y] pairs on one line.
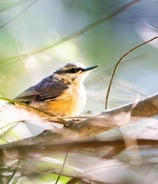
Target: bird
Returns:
[[61, 94]]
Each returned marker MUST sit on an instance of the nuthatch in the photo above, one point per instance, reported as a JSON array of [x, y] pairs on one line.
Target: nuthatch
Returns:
[[61, 94]]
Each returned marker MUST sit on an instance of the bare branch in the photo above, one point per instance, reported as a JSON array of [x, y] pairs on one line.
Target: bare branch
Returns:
[[92, 126], [119, 62], [48, 147]]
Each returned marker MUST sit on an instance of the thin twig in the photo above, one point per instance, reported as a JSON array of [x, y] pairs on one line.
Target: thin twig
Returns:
[[119, 62], [7, 99], [61, 170], [16, 16], [14, 172]]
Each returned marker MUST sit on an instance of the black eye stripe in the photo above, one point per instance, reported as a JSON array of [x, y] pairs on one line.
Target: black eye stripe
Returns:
[[72, 70]]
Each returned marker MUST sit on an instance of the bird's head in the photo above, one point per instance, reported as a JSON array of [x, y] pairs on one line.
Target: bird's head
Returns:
[[74, 72]]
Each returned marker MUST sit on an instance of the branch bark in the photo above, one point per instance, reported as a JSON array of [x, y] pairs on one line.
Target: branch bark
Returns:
[[92, 126]]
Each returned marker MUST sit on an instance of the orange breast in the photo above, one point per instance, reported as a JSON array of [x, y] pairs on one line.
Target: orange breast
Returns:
[[61, 107], [70, 103]]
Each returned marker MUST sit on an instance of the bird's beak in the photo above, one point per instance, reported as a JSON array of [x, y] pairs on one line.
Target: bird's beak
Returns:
[[90, 68]]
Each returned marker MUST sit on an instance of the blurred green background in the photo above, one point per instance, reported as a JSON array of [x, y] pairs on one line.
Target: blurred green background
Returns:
[[33, 45], [33, 25]]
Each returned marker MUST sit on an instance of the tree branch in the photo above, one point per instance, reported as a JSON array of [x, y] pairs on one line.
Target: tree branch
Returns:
[[93, 125]]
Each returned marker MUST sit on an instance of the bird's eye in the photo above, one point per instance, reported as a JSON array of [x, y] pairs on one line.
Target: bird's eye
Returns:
[[74, 70]]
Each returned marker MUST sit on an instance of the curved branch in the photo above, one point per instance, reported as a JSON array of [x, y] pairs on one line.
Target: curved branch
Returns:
[[119, 62]]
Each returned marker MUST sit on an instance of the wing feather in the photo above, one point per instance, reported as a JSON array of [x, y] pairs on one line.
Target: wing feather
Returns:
[[49, 88]]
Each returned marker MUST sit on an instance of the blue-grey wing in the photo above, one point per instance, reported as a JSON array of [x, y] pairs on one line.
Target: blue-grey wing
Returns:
[[48, 88]]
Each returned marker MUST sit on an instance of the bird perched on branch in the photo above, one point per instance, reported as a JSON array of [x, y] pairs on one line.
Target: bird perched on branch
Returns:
[[61, 94]]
